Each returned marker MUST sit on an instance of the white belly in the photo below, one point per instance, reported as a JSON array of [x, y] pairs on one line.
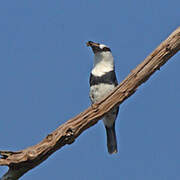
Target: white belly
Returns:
[[97, 92]]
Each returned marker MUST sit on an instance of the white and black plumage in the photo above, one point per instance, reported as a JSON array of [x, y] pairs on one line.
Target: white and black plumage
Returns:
[[102, 82]]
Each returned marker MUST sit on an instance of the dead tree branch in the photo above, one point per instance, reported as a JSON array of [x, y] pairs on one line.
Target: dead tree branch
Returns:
[[22, 161]]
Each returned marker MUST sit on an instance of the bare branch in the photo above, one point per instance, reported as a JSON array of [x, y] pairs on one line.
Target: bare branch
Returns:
[[22, 161]]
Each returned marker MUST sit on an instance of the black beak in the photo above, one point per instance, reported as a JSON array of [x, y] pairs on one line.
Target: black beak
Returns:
[[94, 46], [90, 43]]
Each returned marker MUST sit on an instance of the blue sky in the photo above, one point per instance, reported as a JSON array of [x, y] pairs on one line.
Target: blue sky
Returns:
[[44, 72]]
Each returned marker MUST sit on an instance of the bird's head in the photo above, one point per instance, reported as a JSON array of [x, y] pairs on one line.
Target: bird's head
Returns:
[[102, 56], [98, 48]]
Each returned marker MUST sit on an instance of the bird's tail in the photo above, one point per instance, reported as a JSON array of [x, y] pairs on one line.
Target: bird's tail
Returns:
[[111, 139]]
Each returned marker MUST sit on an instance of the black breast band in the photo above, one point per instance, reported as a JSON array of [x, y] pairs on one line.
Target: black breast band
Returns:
[[108, 78]]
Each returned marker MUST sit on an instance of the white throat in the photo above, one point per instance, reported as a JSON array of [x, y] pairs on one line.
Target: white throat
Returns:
[[103, 63]]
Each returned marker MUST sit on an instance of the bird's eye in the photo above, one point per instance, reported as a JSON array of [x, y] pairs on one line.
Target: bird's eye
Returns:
[[106, 49]]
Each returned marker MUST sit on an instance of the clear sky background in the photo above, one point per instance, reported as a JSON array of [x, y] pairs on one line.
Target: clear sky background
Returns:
[[44, 74]]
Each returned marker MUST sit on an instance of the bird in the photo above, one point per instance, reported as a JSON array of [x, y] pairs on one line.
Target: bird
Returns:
[[102, 81]]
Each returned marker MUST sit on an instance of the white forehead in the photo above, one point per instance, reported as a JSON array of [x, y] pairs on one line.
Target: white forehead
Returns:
[[102, 46]]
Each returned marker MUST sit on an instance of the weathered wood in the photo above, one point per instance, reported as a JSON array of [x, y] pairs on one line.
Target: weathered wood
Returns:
[[22, 161]]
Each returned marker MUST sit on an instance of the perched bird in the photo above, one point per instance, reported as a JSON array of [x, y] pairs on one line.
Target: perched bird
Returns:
[[102, 82]]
